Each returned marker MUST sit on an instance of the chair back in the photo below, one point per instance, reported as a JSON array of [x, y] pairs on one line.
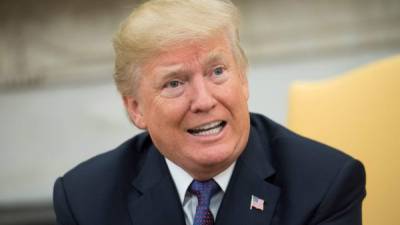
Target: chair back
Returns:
[[359, 113]]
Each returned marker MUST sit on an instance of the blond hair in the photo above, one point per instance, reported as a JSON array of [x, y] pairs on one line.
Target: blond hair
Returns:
[[159, 24]]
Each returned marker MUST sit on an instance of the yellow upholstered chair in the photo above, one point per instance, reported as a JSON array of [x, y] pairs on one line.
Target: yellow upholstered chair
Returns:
[[359, 113]]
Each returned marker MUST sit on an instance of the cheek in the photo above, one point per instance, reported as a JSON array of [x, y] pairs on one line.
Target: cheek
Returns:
[[166, 113], [234, 94]]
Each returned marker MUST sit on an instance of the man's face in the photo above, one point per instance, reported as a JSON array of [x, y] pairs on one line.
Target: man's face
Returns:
[[192, 99]]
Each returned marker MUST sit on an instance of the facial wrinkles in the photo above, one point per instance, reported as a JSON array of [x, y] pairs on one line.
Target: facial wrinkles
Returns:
[[169, 118], [186, 60], [181, 67], [164, 73], [190, 61]]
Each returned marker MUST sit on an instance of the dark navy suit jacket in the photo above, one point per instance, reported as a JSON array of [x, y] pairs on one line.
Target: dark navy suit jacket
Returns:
[[301, 181]]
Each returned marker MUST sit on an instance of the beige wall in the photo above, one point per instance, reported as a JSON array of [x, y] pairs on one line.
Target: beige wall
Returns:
[[50, 41]]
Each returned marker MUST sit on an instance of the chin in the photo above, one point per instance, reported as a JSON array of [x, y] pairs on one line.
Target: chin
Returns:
[[215, 158]]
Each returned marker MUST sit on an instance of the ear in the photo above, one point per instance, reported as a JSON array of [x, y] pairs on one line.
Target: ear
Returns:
[[134, 111]]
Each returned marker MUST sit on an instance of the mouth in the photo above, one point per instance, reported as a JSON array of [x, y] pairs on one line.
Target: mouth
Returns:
[[208, 129]]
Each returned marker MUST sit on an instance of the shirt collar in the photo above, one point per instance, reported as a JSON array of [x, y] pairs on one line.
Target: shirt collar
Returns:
[[182, 179]]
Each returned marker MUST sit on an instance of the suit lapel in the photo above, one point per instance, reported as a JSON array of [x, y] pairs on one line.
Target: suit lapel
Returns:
[[250, 178], [154, 199]]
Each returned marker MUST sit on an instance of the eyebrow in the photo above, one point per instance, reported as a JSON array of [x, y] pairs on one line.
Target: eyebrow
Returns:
[[170, 69], [215, 56], [167, 72]]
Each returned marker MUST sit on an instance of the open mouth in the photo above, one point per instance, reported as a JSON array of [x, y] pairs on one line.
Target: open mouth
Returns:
[[208, 129]]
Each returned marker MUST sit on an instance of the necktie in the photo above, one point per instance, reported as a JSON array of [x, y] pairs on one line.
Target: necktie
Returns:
[[204, 190]]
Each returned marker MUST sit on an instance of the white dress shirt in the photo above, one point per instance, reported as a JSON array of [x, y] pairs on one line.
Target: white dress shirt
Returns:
[[182, 181]]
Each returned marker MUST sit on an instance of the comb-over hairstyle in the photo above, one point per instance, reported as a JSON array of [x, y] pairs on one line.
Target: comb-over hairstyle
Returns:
[[161, 24]]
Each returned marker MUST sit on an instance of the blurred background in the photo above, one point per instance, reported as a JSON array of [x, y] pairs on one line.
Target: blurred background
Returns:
[[59, 106]]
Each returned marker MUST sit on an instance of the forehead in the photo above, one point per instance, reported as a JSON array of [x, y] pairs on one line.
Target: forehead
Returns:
[[202, 51]]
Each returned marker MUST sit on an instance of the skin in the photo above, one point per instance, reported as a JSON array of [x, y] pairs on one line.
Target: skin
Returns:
[[188, 86]]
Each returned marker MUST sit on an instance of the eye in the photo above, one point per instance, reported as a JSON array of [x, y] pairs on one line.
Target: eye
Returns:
[[219, 74], [173, 88], [173, 84], [218, 71]]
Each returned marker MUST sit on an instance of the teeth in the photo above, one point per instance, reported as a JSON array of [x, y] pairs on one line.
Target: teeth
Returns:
[[208, 129], [207, 126], [208, 132]]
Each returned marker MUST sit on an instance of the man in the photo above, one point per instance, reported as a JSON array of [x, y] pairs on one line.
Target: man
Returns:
[[203, 158]]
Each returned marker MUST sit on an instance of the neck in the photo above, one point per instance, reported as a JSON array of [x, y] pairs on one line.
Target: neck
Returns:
[[208, 172]]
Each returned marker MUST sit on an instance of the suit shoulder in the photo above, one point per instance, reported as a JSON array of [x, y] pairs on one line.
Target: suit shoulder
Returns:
[[309, 171], [292, 146], [94, 185], [291, 153]]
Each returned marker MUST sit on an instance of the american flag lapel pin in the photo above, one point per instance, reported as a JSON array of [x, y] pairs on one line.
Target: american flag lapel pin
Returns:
[[256, 203]]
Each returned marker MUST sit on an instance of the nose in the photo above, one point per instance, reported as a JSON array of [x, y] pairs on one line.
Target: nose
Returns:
[[202, 99]]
